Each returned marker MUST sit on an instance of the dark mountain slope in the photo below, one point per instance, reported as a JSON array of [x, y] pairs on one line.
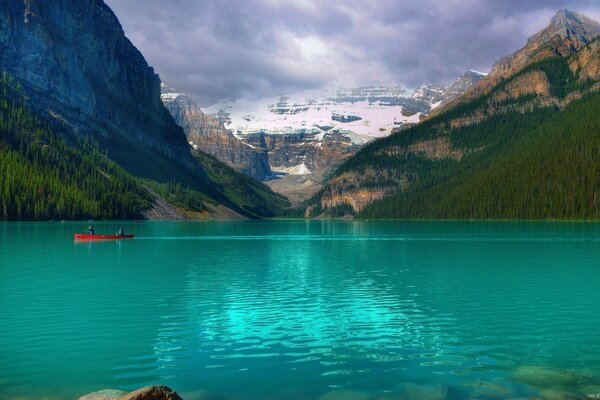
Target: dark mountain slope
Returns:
[[540, 165], [45, 172], [76, 70], [76, 65]]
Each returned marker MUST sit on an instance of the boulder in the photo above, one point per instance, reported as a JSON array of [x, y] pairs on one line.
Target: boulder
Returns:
[[544, 377], [155, 392], [152, 393]]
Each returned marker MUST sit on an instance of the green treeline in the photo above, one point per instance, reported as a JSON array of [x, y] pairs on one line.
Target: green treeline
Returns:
[[44, 177], [540, 165]]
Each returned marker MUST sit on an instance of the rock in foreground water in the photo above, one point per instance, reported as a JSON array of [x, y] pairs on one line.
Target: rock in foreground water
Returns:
[[147, 393], [105, 394]]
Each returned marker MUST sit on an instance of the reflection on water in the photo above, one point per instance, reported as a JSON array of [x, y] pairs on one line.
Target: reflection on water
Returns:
[[413, 310]]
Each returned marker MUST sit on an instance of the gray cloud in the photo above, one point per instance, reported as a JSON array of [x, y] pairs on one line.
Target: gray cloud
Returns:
[[214, 49]]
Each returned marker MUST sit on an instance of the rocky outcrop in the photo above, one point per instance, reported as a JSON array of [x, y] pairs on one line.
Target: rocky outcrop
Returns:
[[207, 134], [104, 394], [162, 209], [146, 393], [435, 149], [76, 65], [152, 393], [357, 189], [534, 82], [357, 199], [587, 62]]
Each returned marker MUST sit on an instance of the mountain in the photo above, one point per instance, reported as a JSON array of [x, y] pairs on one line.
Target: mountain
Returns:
[[520, 143], [81, 85], [75, 63], [567, 33], [207, 134], [43, 176]]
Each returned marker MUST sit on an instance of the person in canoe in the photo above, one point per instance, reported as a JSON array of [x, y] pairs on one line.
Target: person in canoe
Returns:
[[91, 230], [121, 231]]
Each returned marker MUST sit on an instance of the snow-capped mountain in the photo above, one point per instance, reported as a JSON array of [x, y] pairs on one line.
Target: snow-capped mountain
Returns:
[[362, 113]]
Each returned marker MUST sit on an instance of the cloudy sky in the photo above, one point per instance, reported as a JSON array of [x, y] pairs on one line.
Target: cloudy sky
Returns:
[[215, 49]]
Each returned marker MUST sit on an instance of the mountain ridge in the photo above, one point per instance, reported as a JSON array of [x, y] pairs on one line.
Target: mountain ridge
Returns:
[[462, 132], [567, 33]]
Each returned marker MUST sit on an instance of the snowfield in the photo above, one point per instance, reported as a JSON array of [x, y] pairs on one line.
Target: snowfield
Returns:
[[362, 113]]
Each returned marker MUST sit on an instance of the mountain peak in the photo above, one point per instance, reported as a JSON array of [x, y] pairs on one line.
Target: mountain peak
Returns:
[[570, 23], [567, 32], [564, 17], [574, 29]]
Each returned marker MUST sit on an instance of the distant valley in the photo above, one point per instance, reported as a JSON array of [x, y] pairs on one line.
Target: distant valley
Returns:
[[303, 136]]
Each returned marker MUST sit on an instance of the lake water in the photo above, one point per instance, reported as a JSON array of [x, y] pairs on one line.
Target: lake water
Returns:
[[302, 310]]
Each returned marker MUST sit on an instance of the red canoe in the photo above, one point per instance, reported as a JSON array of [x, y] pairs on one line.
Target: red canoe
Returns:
[[99, 237]]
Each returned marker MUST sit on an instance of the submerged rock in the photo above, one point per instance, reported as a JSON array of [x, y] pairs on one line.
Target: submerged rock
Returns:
[[146, 393], [557, 394], [482, 389], [550, 377], [411, 391], [345, 394]]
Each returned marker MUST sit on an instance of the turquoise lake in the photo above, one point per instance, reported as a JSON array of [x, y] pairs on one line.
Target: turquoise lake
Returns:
[[302, 310]]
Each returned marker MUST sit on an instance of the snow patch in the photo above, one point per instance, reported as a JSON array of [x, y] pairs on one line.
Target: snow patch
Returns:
[[170, 96], [300, 169], [479, 72], [436, 104]]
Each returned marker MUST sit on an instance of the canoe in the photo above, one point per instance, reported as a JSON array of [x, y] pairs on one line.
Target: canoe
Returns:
[[100, 237]]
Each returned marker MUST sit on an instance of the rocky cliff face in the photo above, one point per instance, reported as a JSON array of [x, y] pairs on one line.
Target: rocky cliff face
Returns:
[[75, 63], [207, 134], [587, 61], [304, 153]]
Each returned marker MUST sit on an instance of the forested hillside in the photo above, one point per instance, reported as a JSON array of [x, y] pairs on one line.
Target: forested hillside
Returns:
[[539, 165], [47, 173], [527, 148]]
